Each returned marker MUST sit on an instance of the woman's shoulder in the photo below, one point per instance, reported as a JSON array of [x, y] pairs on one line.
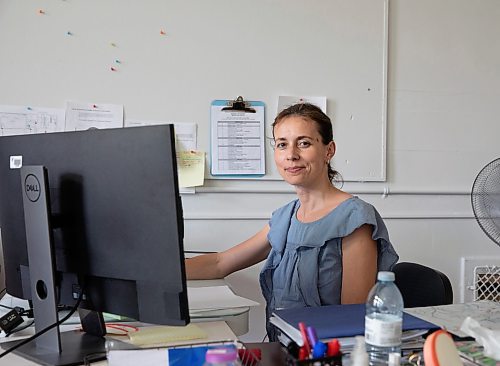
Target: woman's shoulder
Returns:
[[349, 215]]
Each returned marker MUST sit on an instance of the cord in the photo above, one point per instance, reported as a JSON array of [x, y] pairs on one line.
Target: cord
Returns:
[[45, 330]]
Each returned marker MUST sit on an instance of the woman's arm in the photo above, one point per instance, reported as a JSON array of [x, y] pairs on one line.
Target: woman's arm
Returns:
[[219, 265], [359, 265]]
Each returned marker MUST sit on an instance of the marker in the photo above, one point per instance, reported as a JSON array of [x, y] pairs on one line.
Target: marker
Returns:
[[319, 350], [303, 353], [311, 335], [303, 332], [333, 348]]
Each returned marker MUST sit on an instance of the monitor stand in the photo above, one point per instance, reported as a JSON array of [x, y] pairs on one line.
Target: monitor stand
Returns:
[[53, 347]]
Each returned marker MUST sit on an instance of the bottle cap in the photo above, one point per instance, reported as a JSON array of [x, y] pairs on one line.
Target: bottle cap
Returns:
[[386, 276]]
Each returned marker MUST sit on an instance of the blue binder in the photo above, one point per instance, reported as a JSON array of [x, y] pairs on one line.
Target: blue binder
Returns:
[[334, 321]]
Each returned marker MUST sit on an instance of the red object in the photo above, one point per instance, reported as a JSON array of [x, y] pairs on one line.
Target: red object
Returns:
[[250, 357], [303, 332], [162, 32], [333, 348], [303, 354], [112, 68]]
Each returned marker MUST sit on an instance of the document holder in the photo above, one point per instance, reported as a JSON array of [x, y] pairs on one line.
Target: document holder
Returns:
[[237, 138]]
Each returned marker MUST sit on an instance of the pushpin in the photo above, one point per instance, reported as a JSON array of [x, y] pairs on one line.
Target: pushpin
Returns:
[[69, 33], [95, 106], [30, 109], [118, 61], [162, 32], [112, 68], [40, 11], [113, 44]]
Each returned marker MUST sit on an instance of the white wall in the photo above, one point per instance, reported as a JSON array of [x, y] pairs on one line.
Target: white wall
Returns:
[[443, 127]]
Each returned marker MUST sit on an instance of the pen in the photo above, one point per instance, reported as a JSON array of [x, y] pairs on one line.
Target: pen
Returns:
[[311, 335], [302, 328]]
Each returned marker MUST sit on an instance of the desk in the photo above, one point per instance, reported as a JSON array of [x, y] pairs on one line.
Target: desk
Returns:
[[221, 324], [215, 330]]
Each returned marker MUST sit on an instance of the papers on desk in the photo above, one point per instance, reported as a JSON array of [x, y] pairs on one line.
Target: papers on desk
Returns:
[[451, 317], [206, 299]]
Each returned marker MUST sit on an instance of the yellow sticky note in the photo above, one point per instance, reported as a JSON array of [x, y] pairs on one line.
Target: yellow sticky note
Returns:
[[164, 334], [191, 168]]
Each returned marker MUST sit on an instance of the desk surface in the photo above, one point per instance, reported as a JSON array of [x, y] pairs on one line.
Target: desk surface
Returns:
[[216, 331]]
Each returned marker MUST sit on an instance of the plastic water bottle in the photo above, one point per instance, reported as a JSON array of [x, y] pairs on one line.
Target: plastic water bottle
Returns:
[[222, 356], [383, 320]]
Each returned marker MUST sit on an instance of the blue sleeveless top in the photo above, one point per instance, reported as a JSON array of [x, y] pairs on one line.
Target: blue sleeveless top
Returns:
[[304, 266]]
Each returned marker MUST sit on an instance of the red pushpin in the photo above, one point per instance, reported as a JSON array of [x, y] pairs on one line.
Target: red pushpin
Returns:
[[162, 32], [113, 69], [95, 106]]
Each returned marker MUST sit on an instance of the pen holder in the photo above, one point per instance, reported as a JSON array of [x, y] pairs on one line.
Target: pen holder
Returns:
[[323, 361]]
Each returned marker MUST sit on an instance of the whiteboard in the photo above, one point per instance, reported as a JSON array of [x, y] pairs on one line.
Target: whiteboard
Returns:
[[173, 58]]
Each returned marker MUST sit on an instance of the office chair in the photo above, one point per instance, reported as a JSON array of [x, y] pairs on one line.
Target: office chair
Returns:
[[422, 286]]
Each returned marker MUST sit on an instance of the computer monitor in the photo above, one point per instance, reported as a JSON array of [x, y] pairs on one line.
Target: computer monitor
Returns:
[[114, 220]]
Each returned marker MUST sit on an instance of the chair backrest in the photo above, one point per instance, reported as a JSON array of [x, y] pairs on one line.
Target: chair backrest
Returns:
[[422, 286]]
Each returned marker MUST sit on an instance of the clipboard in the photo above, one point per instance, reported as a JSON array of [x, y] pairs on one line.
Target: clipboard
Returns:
[[237, 138]]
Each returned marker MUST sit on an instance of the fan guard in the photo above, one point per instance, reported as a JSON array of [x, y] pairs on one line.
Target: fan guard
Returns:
[[485, 198]]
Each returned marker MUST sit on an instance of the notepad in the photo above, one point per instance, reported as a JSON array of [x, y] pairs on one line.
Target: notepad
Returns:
[[155, 335]]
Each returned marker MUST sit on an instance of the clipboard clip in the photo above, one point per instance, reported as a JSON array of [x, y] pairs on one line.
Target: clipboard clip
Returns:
[[239, 105]]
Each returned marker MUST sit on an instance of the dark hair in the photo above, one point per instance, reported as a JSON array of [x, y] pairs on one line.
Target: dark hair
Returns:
[[315, 114]]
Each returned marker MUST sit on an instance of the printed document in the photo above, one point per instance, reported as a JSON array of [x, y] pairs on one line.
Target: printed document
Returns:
[[84, 116], [237, 140], [20, 120]]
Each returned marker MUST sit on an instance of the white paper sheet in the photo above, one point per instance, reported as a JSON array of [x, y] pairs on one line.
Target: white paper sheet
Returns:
[[450, 317], [215, 297], [20, 120], [82, 116]]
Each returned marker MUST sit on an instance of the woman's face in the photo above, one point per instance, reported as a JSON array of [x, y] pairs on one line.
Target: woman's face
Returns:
[[299, 153]]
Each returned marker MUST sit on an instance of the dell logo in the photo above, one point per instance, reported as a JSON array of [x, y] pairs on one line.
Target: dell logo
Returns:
[[32, 187]]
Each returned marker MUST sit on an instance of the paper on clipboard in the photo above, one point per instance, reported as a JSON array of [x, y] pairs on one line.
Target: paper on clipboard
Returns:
[[237, 138]]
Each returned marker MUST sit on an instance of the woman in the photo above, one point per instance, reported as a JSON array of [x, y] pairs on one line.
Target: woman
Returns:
[[324, 247]]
